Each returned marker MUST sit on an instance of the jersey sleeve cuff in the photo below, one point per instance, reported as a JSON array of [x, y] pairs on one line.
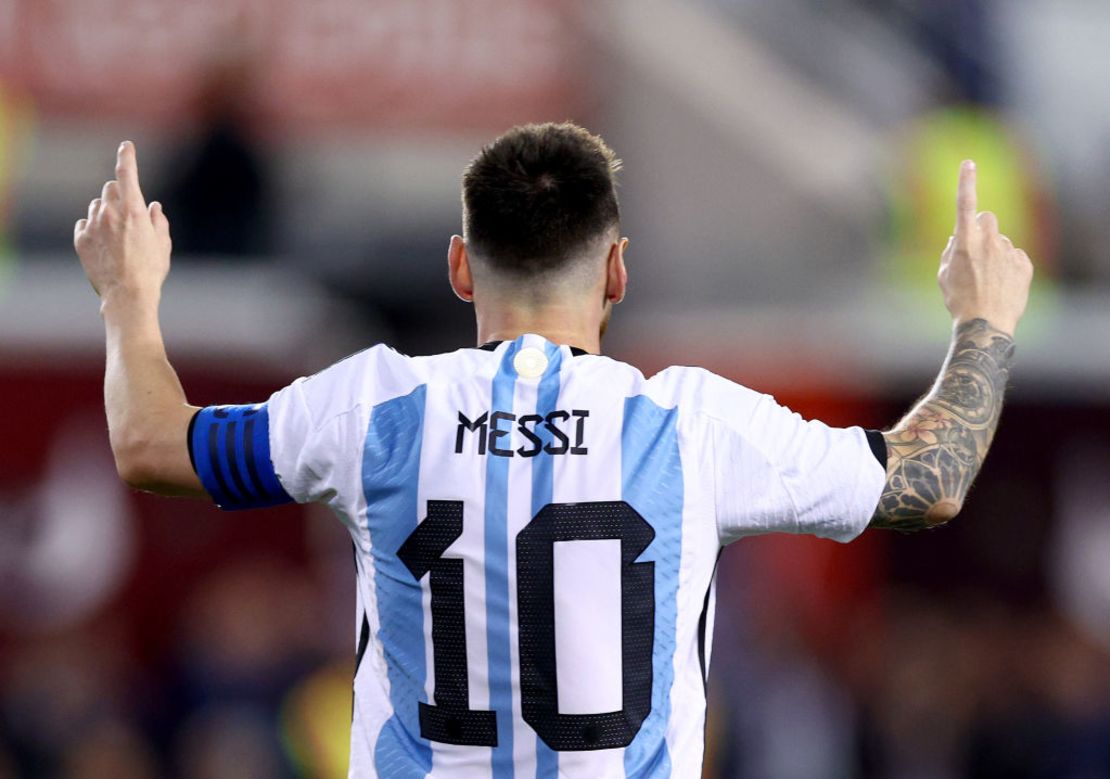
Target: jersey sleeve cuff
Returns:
[[877, 442], [229, 447]]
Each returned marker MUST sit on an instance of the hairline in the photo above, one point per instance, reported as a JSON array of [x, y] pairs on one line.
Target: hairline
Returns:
[[570, 268]]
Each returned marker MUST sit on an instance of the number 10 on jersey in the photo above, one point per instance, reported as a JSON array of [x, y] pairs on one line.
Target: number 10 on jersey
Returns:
[[450, 719]]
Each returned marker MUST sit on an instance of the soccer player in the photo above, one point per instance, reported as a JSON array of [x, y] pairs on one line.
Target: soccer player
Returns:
[[537, 526]]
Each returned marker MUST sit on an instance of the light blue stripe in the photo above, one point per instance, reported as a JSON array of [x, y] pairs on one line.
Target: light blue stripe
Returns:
[[547, 399], [651, 482], [390, 474], [497, 577]]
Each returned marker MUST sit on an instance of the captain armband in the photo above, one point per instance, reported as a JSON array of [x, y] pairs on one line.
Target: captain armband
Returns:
[[230, 450]]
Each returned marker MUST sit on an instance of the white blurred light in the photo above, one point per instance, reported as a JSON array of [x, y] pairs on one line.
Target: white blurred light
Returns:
[[71, 542], [1080, 572]]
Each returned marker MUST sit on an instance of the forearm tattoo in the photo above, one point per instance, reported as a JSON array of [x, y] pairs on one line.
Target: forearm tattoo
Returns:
[[936, 451]]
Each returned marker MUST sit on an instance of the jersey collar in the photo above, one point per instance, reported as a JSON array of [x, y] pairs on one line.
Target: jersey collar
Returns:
[[491, 346]]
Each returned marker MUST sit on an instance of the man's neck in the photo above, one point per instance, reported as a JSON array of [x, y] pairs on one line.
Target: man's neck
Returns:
[[563, 325]]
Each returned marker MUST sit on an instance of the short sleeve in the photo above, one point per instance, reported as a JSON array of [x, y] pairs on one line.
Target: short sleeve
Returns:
[[301, 445], [777, 472], [305, 443], [318, 426], [307, 448], [260, 455]]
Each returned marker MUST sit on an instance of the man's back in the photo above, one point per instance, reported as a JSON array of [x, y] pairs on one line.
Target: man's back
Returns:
[[537, 531]]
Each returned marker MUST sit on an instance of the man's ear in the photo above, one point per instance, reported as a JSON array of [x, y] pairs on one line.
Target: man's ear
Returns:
[[458, 270], [616, 274]]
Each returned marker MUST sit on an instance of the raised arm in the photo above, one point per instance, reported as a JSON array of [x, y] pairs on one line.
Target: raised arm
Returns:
[[935, 452], [124, 247]]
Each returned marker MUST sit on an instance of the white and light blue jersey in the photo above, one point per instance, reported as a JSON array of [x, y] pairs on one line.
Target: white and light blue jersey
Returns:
[[537, 531]]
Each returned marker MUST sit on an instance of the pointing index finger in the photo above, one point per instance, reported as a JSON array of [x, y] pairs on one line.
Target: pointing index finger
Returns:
[[127, 172], [966, 202]]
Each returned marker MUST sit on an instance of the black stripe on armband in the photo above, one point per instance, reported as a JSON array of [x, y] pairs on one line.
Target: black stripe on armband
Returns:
[[877, 443], [230, 450], [189, 438]]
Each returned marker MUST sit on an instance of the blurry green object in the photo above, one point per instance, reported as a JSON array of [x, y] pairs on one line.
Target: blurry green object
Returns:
[[316, 722], [15, 124], [923, 201]]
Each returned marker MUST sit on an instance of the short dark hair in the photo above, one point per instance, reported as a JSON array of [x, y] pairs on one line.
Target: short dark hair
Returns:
[[539, 195]]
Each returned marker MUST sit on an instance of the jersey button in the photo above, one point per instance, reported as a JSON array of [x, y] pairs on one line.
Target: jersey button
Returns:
[[530, 362]]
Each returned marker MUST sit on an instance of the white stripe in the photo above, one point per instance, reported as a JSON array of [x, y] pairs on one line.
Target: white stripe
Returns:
[[592, 477], [700, 544]]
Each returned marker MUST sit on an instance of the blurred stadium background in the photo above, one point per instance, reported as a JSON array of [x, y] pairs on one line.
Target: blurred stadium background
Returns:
[[789, 170]]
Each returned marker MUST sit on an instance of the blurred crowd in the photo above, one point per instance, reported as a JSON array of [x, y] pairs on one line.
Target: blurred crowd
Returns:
[[916, 687], [82, 703], [242, 670]]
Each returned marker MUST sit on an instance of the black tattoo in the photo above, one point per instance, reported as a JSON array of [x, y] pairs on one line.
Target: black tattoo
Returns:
[[937, 450]]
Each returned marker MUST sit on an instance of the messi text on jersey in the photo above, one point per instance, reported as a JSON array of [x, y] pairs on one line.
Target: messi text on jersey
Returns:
[[504, 434]]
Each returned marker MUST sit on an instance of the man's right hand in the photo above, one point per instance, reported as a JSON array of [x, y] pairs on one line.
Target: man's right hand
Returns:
[[124, 245], [982, 274]]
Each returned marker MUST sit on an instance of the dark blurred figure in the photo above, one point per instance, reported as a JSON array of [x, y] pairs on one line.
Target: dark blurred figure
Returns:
[[219, 192], [249, 633], [71, 706], [230, 742], [958, 35], [110, 748], [1051, 719]]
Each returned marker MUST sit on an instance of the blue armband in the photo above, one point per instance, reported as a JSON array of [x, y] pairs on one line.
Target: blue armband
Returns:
[[230, 450]]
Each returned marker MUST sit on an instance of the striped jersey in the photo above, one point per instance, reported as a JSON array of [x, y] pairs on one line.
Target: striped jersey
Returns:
[[536, 534]]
